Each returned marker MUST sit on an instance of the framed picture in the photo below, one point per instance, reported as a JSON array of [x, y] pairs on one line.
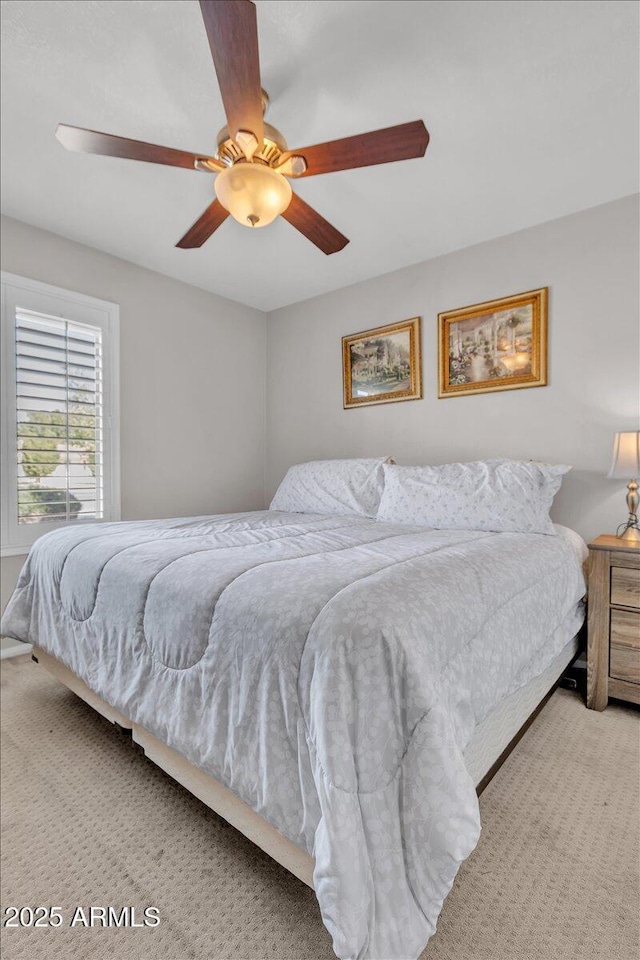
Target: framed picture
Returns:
[[497, 345], [382, 365]]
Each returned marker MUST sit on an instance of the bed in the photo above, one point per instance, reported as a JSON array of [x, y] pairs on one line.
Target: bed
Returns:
[[339, 688]]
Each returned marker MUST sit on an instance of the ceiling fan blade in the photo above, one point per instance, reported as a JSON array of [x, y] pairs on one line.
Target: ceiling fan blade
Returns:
[[232, 31], [314, 227], [404, 142], [208, 223], [91, 141]]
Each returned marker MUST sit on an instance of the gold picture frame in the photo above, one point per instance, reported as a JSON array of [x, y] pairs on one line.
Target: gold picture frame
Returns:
[[496, 345], [382, 365]]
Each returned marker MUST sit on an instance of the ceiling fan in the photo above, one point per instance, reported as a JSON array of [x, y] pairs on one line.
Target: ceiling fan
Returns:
[[252, 161]]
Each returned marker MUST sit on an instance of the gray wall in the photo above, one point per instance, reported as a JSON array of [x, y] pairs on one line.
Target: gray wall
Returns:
[[192, 381], [589, 261]]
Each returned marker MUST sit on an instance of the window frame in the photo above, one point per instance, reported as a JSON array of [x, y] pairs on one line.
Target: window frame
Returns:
[[35, 295]]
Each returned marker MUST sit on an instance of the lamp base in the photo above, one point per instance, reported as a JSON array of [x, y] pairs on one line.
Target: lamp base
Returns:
[[629, 531]]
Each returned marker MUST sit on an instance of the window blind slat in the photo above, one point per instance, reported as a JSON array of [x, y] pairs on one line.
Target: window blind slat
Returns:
[[29, 445], [66, 344], [41, 377], [27, 391], [44, 501], [51, 482], [54, 356], [59, 419], [48, 368], [52, 465], [61, 379]]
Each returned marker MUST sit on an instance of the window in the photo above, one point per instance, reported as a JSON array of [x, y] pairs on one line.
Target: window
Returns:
[[59, 418]]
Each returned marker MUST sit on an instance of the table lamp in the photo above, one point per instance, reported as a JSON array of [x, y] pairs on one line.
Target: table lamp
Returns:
[[625, 465]]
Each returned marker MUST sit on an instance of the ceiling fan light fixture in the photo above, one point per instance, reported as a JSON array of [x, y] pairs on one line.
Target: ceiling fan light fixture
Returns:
[[253, 193]]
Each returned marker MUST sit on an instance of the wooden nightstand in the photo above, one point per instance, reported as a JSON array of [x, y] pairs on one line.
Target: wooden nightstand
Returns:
[[613, 659]]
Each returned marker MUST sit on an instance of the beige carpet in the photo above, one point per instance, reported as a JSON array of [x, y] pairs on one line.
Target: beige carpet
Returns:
[[88, 820]]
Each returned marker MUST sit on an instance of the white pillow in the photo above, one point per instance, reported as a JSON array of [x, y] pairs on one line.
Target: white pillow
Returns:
[[332, 486], [503, 496]]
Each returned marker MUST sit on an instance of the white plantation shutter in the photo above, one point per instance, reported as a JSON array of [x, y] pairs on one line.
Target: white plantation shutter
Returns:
[[60, 438], [59, 419]]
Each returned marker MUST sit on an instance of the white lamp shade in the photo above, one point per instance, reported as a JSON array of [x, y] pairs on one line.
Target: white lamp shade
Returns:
[[253, 193], [625, 464]]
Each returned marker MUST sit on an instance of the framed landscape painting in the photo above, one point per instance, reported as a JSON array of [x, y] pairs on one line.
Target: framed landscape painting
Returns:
[[497, 345], [382, 365]]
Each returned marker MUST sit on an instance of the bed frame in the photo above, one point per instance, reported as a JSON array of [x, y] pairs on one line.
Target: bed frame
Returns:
[[218, 797]]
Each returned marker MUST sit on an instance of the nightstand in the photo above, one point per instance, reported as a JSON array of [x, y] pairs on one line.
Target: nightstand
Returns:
[[613, 658]]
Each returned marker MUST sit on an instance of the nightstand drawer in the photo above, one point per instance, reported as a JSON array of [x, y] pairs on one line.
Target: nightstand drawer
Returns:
[[613, 654], [625, 586], [624, 655]]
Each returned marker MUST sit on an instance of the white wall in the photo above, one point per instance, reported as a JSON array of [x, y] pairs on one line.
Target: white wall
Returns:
[[192, 381], [589, 261]]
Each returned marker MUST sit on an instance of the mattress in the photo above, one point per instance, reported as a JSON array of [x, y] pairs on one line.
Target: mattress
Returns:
[[329, 671], [494, 734]]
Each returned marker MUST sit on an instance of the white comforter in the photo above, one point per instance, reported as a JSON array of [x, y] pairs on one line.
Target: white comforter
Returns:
[[329, 670]]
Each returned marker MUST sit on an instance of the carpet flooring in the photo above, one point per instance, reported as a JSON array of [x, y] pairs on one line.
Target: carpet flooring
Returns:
[[88, 820]]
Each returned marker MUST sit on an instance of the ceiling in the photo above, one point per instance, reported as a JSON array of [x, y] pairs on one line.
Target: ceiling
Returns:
[[532, 107]]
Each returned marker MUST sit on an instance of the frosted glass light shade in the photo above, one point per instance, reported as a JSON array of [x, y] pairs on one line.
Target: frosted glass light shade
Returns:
[[625, 464], [253, 193]]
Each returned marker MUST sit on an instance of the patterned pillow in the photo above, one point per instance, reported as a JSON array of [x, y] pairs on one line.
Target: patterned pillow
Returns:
[[332, 486], [503, 496]]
